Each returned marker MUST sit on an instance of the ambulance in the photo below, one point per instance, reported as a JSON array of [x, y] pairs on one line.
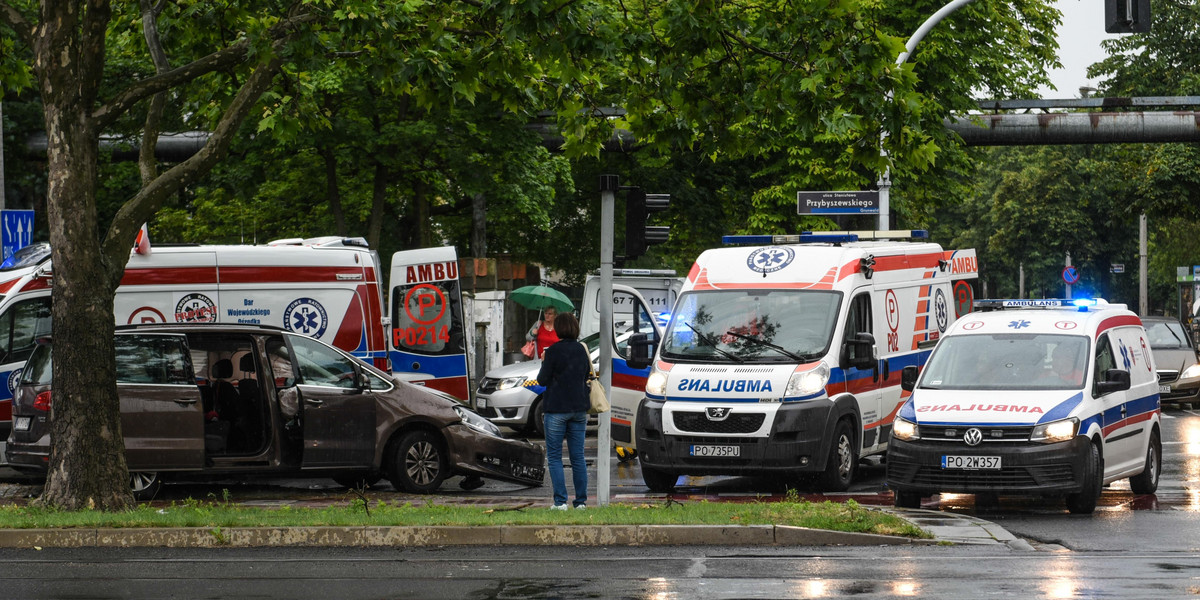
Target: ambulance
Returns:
[[329, 288], [783, 354], [1031, 397]]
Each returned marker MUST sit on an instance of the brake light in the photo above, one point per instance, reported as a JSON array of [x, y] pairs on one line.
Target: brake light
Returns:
[[42, 402]]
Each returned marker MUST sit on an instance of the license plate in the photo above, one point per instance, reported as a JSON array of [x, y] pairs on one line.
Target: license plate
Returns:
[[974, 463], [22, 424], [480, 402], [716, 451], [1164, 389]]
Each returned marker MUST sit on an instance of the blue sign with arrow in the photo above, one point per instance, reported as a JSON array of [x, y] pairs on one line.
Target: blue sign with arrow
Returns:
[[16, 230]]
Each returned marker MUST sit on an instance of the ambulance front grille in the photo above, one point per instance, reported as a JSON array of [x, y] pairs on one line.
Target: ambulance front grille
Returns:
[[698, 422], [954, 433], [1017, 478]]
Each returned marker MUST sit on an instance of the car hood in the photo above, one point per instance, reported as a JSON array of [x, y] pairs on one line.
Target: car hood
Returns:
[[1173, 359], [527, 369], [990, 407]]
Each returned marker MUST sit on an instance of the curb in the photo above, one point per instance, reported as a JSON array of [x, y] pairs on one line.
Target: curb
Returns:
[[521, 535]]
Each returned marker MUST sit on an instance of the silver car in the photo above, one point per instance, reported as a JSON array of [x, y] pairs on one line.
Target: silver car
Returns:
[[1175, 359], [504, 400]]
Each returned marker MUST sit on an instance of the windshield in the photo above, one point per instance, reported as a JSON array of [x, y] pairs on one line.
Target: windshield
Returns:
[[752, 325], [1166, 335], [1007, 361]]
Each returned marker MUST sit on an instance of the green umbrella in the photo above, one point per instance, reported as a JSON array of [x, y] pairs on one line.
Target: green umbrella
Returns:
[[538, 297]]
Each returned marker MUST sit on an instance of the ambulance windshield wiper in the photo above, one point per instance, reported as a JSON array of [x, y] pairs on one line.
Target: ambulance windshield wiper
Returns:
[[712, 344], [780, 349]]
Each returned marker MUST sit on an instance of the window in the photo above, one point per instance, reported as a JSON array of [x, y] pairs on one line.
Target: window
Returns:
[[321, 365], [153, 359], [1104, 359], [21, 326]]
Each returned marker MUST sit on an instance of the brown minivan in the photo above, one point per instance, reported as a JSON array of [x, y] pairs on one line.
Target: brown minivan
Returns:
[[226, 400]]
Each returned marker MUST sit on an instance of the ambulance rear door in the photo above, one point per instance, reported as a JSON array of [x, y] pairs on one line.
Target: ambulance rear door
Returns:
[[428, 328]]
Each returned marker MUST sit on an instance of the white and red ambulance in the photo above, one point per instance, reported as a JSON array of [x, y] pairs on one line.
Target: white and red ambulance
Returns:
[[329, 288], [783, 357], [1032, 397]]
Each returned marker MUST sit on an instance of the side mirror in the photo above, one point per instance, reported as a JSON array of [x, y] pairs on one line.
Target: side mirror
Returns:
[[908, 377], [1115, 380], [859, 352], [641, 351]]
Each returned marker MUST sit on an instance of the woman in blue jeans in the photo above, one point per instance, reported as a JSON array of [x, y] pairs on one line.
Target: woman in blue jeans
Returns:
[[565, 368]]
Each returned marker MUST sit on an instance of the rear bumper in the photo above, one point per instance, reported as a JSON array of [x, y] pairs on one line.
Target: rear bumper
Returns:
[[1029, 468]]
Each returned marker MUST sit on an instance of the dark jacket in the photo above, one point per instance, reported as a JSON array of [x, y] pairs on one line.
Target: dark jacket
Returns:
[[564, 372]]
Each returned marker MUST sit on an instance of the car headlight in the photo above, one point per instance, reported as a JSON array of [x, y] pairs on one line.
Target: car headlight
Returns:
[[656, 383], [1190, 372], [476, 422], [807, 383], [1055, 431], [903, 429], [510, 382]]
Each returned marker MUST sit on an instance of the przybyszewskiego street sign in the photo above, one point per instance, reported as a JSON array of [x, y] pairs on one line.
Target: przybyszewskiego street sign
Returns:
[[838, 203]]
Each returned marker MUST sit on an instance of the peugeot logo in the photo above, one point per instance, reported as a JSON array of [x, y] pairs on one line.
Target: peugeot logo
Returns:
[[717, 413], [973, 436]]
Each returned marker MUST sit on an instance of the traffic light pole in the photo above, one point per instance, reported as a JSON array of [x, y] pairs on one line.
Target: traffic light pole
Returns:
[[608, 189]]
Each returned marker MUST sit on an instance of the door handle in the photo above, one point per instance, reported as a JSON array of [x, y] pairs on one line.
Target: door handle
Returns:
[[183, 401], [313, 401]]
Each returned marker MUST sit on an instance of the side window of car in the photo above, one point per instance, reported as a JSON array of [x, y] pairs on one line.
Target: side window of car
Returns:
[[321, 365], [153, 359], [1104, 358], [21, 326]]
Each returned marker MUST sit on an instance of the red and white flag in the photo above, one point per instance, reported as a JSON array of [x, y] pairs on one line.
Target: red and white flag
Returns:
[[141, 244]]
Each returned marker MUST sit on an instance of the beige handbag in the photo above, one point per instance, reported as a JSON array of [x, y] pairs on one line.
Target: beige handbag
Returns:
[[599, 402]]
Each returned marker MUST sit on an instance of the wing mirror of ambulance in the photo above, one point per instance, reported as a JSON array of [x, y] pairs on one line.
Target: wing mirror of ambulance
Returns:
[[1115, 380], [641, 351], [908, 377], [859, 352]]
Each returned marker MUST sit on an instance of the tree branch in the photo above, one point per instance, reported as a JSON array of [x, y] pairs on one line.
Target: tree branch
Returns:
[[146, 202], [13, 18], [231, 55]]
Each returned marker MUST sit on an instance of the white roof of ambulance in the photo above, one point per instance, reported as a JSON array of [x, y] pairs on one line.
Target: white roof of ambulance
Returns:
[[806, 266], [1057, 320]]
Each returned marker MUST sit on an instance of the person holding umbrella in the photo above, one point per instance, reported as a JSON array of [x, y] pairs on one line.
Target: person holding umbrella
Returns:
[[551, 302], [542, 333]]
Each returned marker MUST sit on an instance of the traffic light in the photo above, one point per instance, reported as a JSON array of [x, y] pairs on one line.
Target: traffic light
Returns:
[[1126, 16], [638, 235]]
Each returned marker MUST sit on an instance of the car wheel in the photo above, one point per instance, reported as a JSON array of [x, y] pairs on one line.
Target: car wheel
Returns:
[[358, 481], [145, 485], [906, 499], [537, 418], [1084, 502], [839, 468], [658, 481], [1146, 482], [419, 463]]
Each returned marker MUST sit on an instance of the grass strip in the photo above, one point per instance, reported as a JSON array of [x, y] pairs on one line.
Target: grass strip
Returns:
[[847, 516]]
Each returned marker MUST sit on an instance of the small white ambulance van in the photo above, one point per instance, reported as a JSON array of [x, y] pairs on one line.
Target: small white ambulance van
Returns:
[[783, 357], [1045, 397]]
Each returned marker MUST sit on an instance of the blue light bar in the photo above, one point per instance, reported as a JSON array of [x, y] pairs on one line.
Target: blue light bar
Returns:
[[1081, 303], [803, 238]]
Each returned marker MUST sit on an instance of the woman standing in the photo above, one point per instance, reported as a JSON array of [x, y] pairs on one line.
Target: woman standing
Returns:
[[543, 332], [564, 372]]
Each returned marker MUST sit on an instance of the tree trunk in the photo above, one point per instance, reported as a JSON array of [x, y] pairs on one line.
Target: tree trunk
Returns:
[[333, 194], [87, 468], [420, 209], [378, 204], [479, 226]]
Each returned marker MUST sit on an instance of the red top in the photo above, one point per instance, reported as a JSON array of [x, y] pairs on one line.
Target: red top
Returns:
[[545, 339]]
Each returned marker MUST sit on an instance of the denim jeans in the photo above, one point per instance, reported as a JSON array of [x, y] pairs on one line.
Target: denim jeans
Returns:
[[570, 426]]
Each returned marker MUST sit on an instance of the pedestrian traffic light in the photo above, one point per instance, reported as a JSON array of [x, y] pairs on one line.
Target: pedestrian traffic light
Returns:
[[1126, 16], [638, 235]]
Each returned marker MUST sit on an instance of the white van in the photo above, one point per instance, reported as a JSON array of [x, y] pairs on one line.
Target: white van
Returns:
[[783, 357], [1046, 397]]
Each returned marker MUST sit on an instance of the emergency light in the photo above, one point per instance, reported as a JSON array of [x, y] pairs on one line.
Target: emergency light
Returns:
[[802, 238], [1081, 303]]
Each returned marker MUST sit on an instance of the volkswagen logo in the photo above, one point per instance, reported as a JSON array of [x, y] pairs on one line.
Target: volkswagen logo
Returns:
[[717, 413], [973, 436]]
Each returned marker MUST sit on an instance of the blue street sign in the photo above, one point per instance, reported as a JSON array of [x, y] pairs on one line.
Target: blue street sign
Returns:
[[16, 230]]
